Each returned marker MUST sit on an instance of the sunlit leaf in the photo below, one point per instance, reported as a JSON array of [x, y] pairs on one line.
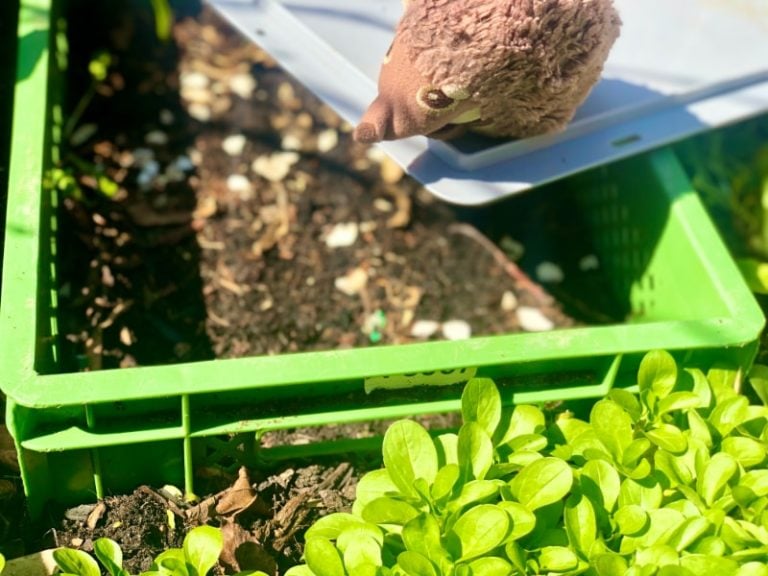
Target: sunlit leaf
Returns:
[[409, 453]]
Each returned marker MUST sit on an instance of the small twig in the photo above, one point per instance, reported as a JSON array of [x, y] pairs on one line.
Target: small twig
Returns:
[[522, 280]]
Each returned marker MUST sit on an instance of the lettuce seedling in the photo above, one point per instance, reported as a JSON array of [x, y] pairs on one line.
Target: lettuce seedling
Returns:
[[198, 555], [670, 480]]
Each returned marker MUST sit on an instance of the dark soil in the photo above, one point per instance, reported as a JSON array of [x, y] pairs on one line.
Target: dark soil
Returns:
[[219, 241]]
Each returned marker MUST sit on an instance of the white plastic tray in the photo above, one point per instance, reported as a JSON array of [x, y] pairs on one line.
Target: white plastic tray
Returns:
[[680, 67]]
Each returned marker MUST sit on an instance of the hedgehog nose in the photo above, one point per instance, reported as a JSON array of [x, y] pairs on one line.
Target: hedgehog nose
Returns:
[[366, 133], [376, 123]]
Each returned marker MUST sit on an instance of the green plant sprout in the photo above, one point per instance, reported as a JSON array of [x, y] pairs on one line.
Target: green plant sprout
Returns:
[[199, 554], [671, 481]]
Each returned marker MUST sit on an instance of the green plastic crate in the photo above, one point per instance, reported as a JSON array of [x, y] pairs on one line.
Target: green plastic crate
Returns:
[[83, 435]]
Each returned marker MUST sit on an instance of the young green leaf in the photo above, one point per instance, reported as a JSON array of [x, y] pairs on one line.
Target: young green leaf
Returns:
[[542, 482], [475, 492], [475, 451], [172, 562], [634, 451], [372, 485], [717, 472], [663, 523], [679, 401], [422, 535], [659, 555], [748, 452], [447, 449], [491, 566], [527, 443], [580, 523], [522, 520], [415, 564], [605, 479], [725, 382], [756, 481], [711, 545], [753, 569], [691, 530], [627, 401], [758, 378], [658, 373], [445, 480], [76, 562], [110, 555], [524, 419], [323, 558], [481, 403], [632, 520], [646, 493], [360, 552], [409, 453], [609, 565], [389, 511], [699, 429], [728, 414], [480, 530], [668, 437], [557, 559], [2, 563], [202, 546], [708, 565], [332, 525], [613, 426], [353, 533]]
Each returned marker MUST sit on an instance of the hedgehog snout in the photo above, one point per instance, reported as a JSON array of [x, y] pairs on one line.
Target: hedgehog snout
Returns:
[[376, 123]]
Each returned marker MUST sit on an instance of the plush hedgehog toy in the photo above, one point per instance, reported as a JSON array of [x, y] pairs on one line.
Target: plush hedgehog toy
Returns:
[[506, 68]]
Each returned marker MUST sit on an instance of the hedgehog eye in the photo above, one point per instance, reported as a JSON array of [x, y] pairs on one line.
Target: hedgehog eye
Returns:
[[434, 99]]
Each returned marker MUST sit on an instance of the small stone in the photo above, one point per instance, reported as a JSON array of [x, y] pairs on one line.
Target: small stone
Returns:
[[275, 167], [194, 81], [512, 248], [239, 184], [550, 273], [234, 144], [125, 336], [79, 513], [353, 283], [76, 542], [424, 329], [508, 301], [156, 138], [166, 117], [589, 263], [148, 173], [456, 330], [243, 85], [143, 155], [533, 320], [183, 163], [327, 140], [290, 142], [342, 235], [200, 112], [383, 205]]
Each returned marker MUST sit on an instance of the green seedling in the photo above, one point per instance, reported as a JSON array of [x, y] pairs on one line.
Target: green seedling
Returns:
[[669, 480], [197, 557]]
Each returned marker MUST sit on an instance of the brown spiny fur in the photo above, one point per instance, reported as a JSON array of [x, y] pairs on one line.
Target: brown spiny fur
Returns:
[[528, 63]]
